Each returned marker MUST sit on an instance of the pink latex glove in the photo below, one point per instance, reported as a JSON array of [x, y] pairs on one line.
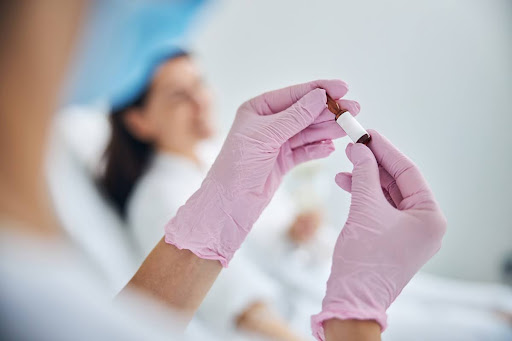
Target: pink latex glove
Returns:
[[394, 227], [271, 134]]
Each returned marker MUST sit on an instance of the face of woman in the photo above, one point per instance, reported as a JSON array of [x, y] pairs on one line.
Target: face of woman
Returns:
[[177, 112]]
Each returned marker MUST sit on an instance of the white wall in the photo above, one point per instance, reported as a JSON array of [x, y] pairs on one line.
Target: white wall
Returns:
[[433, 76]]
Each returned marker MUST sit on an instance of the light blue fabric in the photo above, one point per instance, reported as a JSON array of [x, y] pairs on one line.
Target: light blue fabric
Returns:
[[121, 42]]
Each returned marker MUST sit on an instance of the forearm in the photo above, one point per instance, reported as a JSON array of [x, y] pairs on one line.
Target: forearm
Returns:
[[353, 330], [175, 277]]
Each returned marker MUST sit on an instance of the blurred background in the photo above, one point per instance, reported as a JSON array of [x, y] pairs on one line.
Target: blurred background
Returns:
[[435, 77]]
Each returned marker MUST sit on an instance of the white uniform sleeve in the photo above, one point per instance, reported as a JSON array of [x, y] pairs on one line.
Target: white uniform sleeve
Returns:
[[153, 204]]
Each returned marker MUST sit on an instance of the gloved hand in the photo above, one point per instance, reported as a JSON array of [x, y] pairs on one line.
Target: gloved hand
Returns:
[[271, 134], [394, 226]]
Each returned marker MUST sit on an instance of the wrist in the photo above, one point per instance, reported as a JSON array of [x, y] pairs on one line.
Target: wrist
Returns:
[[336, 329], [341, 312]]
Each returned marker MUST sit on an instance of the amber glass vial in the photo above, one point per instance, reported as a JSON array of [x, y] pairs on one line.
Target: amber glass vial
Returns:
[[348, 123]]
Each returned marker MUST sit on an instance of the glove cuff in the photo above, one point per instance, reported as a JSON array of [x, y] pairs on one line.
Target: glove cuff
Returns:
[[317, 320], [205, 226]]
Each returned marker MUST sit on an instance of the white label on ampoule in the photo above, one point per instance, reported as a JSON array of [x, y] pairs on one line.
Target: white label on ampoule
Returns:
[[353, 129]]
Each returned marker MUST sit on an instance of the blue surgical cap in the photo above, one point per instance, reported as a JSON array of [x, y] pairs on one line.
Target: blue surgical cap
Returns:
[[121, 44]]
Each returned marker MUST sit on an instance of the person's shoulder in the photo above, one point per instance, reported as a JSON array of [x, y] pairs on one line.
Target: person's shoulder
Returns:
[[151, 192], [159, 194], [157, 185]]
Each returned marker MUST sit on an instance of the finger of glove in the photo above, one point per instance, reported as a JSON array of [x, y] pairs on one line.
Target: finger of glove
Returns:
[[273, 102], [312, 151], [288, 123], [317, 132], [344, 180], [406, 174], [351, 106], [365, 175]]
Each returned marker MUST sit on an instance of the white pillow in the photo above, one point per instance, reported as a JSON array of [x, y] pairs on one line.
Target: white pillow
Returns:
[[79, 138]]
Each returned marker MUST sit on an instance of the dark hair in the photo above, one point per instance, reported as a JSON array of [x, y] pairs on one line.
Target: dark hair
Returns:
[[126, 158]]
